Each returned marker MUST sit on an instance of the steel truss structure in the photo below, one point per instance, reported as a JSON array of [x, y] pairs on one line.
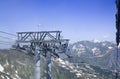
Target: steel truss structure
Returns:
[[46, 43]]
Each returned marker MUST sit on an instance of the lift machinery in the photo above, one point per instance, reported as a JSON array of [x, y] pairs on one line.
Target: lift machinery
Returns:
[[46, 43]]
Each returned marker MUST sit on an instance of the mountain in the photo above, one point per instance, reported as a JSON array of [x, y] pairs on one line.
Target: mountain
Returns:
[[101, 54], [18, 65]]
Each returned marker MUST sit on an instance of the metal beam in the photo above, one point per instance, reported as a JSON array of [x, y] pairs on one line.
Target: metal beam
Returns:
[[48, 65], [44, 41], [37, 63], [28, 36], [41, 32]]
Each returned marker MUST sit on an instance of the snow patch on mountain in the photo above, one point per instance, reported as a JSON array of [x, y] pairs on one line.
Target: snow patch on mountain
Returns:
[[75, 68], [79, 49], [1, 68], [96, 51], [110, 47], [103, 44]]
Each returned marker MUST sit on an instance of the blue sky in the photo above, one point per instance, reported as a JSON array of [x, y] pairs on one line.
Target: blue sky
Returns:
[[77, 19]]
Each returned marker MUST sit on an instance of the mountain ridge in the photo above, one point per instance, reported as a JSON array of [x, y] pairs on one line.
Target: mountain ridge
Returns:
[[96, 53], [18, 65]]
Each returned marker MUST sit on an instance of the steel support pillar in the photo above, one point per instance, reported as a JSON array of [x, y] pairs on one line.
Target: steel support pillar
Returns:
[[48, 67], [37, 63]]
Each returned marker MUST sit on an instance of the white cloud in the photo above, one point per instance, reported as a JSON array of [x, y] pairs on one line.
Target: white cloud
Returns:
[[105, 36], [96, 41]]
